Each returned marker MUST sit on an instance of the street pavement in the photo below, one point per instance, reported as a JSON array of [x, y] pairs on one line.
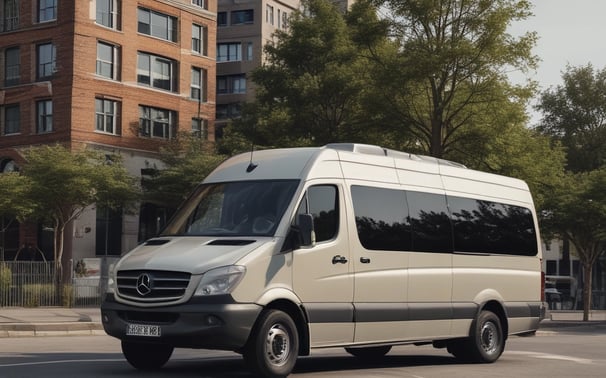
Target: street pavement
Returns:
[[61, 321]]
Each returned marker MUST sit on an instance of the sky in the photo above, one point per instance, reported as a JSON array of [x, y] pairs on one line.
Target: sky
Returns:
[[569, 32]]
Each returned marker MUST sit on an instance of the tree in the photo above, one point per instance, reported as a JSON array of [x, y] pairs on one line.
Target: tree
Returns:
[[450, 72], [310, 89], [13, 205], [62, 183], [574, 114], [577, 211], [188, 160]]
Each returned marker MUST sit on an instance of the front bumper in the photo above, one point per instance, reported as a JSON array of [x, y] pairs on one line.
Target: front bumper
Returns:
[[224, 326]]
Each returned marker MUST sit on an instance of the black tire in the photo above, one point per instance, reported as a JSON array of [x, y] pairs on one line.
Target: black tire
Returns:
[[145, 356], [486, 340], [273, 347], [369, 353]]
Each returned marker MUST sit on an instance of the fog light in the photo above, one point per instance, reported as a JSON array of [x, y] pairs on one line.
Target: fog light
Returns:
[[212, 320]]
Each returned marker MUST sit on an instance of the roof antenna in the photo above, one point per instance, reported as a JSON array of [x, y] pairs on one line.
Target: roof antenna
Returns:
[[251, 165]]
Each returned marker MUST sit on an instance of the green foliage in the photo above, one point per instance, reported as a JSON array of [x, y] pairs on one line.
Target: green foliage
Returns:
[[13, 190], [188, 161], [35, 295], [450, 70], [574, 114], [6, 278], [311, 90]]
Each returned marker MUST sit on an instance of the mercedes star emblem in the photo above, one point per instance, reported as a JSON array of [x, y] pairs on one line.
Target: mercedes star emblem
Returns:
[[144, 284]]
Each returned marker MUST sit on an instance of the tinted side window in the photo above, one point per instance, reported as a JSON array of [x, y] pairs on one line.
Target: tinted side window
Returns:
[[381, 218], [490, 227], [322, 202], [431, 228]]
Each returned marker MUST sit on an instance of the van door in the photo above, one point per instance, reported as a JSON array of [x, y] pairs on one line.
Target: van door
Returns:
[[380, 238], [430, 266], [321, 274]]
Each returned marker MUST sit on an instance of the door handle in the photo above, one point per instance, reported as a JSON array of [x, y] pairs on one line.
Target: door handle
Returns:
[[364, 260], [338, 259]]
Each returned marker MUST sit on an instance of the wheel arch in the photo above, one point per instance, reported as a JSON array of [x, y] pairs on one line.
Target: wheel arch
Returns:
[[497, 308], [297, 314]]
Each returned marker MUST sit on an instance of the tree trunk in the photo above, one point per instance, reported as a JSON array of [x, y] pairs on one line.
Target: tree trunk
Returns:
[[587, 271]]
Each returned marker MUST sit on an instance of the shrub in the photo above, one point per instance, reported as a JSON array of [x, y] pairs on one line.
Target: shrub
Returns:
[[6, 278], [35, 295]]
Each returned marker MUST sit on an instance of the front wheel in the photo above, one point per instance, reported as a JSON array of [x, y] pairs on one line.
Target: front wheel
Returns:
[[273, 347], [145, 356]]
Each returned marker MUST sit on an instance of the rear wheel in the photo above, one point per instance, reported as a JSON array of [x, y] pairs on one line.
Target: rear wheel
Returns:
[[369, 352], [486, 341], [144, 356], [273, 348]]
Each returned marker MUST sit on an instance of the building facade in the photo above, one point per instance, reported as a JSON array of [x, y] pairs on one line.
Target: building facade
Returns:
[[121, 76]]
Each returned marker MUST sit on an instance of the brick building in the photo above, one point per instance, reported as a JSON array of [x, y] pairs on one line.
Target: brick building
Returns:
[[116, 75]]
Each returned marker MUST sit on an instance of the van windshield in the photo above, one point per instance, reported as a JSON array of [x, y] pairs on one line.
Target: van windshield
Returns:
[[244, 208]]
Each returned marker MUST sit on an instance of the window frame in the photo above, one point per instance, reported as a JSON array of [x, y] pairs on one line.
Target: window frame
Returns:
[[111, 14], [199, 86], [16, 123], [227, 50], [11, 79], [154, 76], [43, 66], [114, 116], [148, 122], [242, 17], [231, 84], [167, 32], [44, 116], [45, 10], [114, 64], [199, 39]]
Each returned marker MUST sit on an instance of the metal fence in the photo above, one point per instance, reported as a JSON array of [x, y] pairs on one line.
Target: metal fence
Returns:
[[32, 284]]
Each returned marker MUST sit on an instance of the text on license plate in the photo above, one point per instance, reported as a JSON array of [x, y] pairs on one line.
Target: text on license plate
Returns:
[[142, 330]]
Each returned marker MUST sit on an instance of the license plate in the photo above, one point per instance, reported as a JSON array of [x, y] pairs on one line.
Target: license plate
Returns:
[[142, 330]]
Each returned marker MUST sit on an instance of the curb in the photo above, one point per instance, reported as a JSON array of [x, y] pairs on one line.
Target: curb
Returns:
[[51, 329]]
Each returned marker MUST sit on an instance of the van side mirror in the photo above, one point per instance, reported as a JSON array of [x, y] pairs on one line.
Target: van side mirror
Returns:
[[306, 229]]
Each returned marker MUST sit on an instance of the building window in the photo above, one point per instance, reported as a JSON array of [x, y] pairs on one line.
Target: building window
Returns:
[[231, 84], [229, 52], [107, 116], [108, 63], [44, 116], [284, 20], [199, 39], [157, 24], [12, 118], [242, 17], [47, 10], [108, 13], [199, 3], [221, 18], [199, 127], [157, 123], [157, 72], [46, 60], [226, 111], [249, 51], [198, 84], [12, 66], [269, 15], [10, 17]]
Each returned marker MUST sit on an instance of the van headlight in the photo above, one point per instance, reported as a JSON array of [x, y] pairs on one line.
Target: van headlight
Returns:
[[220, 281], [111, 280]]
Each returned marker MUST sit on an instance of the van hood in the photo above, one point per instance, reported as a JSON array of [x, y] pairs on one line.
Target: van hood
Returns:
[[194, 255]]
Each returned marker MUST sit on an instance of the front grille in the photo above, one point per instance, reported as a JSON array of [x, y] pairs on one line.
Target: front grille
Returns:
[[152, 285]]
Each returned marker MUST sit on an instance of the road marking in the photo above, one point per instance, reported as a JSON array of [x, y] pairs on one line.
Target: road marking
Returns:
[[549, 356]]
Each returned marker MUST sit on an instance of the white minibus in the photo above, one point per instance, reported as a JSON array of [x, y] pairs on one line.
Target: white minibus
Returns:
[[281, 252]]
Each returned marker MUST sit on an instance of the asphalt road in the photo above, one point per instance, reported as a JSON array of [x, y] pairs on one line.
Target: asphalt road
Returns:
[[567, 352]]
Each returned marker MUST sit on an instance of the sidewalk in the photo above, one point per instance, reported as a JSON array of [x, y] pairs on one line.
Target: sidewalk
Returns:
[[49, 321], [60, 321]]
